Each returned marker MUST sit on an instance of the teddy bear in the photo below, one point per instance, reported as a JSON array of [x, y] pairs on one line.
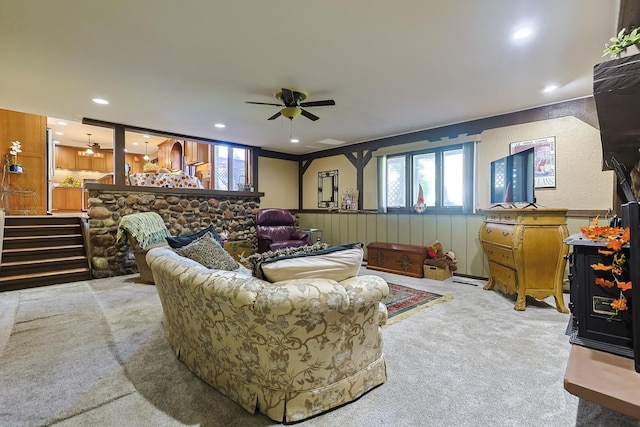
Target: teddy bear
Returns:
[[438, 258]]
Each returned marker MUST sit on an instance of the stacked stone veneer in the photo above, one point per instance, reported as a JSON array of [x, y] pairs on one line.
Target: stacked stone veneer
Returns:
[[182, 214]]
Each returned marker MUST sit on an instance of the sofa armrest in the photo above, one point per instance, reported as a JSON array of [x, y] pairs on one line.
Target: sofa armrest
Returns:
[[264, 237], [299, 235], [365, 290]]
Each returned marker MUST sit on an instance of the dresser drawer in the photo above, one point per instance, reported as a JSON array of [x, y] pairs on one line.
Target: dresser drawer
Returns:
[[505, 277], [500, 234], [499, 254]]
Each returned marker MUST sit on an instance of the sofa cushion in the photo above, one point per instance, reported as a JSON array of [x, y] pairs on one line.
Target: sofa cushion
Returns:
[[208, 252], [180, 241], [254, 261], [337, 263]]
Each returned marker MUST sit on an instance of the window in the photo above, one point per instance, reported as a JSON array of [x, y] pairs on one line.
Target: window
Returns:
[[443, 174], [231, 167]]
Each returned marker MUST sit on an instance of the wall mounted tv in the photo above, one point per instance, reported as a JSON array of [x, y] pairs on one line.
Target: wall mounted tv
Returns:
[[513, 180]]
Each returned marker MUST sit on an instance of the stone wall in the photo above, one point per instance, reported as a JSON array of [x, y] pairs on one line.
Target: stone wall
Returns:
[[182, 214]]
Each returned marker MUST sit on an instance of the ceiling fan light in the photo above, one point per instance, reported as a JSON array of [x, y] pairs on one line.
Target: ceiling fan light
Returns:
[[89, 151], [290, 112]]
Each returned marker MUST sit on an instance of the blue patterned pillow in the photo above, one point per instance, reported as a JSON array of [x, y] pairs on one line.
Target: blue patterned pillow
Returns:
[[180, 241]]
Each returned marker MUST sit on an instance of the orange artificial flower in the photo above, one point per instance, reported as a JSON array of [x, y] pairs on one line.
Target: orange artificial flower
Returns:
[[619, 304], [624, 286], [604, 283], [601, 267], [615, 244], [605, 252]]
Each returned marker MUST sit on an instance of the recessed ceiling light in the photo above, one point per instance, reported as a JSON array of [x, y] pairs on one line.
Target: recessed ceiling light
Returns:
[[134, 143], [522, 33], [550, 88], [58, 133], [55, 141], [100, 101], [145, 136], [295, 140], [62, 123], [220, 125]]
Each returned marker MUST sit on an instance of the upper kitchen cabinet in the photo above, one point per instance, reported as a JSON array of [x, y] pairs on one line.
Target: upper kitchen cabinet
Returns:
[[196, 153], [75, 158], [170, 154]]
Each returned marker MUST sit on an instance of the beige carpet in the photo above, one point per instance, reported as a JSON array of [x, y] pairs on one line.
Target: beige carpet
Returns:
[[94, 353]]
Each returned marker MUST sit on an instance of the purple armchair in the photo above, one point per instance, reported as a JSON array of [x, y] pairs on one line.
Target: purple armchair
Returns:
[[275, 230]]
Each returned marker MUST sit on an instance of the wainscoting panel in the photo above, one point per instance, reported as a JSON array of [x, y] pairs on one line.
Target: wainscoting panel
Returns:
[[457, 233]]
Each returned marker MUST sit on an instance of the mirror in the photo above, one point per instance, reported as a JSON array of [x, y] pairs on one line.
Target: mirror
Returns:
[[328, 189]]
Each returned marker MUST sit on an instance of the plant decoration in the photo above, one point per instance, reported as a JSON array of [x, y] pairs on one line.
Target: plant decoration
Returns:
[[71, 182], [15, 149], [621, 42], [611, 275]]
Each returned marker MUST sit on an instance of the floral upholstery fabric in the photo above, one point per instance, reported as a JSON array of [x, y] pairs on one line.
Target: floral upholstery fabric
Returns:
[[291, 349]]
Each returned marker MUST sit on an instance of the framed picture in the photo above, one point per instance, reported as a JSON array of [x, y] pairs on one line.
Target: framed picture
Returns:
[[544, 159]]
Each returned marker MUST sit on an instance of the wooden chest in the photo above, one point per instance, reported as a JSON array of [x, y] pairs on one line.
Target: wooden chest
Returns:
[[396, 258]]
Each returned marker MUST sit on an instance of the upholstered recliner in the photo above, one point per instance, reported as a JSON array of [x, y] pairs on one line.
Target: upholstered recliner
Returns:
[[275, 230]]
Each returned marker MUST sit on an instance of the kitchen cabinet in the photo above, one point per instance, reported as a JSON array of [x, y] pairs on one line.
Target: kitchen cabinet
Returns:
[[135, 161], [75, 158], [66, 199], [65, 157], [170, 154], [196, 153]]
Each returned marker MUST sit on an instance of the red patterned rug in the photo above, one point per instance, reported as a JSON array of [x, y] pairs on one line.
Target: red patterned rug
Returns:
[[402, 301]]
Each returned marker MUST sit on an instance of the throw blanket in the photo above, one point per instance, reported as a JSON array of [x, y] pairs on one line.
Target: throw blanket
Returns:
[[147, 227]]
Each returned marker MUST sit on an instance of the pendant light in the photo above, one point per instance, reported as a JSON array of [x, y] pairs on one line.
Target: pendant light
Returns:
[[146, 153], [89, 150]]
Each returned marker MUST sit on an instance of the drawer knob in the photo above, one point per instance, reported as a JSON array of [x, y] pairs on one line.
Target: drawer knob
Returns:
[[505, 233]]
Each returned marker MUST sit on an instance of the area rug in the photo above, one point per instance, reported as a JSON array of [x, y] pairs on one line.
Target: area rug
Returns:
[[402, 301]]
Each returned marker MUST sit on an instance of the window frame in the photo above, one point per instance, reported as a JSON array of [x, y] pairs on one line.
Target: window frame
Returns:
[[410, 191]]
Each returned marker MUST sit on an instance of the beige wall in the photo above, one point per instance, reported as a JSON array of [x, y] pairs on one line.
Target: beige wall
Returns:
[[278, 180], [347, 178], [580, 182]]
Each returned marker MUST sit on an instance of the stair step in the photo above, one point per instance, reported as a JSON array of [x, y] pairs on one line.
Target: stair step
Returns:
[[26, 254], [42, 241], [40, 230], [43, 220], [31, 280], [43, 261]]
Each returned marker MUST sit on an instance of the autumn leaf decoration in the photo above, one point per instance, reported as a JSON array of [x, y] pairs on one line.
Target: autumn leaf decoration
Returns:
[[615, 238]]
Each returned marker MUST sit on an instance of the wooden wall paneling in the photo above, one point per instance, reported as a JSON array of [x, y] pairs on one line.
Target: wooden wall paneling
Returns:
[[393, 226], [459, 233], [352, 230], [335, 229], [404, 228], [429, 229], [361, 225], [344, 228], [381, 229], [415, 225], [443, 231], [475, 261]]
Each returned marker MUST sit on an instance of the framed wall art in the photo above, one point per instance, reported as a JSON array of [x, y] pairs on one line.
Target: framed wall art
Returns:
[[544, 159]]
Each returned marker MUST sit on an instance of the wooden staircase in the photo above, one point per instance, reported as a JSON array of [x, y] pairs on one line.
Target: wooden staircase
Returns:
[[43, 250]]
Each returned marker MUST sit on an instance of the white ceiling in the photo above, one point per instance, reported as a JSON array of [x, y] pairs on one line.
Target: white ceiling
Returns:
[[391, 67]]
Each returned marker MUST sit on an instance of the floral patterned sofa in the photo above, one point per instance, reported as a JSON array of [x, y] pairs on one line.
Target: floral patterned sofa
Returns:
[[290, 349]]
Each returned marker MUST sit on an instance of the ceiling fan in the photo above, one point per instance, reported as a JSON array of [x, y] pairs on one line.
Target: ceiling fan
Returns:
[[293, 105], [92, 147]]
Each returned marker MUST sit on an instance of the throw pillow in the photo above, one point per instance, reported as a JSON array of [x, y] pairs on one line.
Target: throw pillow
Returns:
[[208, 252], [180, 241], [337, 263]]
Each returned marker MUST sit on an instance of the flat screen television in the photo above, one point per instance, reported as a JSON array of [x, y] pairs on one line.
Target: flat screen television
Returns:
[[513, 179]]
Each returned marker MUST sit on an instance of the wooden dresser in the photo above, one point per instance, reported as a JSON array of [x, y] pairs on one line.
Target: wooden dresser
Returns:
[[526, 253]]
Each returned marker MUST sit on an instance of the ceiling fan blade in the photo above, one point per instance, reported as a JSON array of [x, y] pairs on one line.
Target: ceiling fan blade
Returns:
[[287, 98], [308, 115], [318, 103], [263, 103], [275, 116]]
